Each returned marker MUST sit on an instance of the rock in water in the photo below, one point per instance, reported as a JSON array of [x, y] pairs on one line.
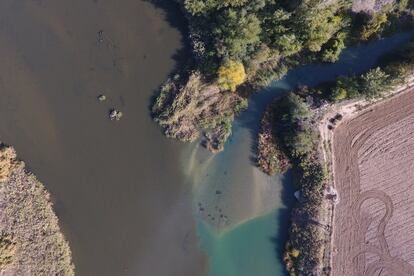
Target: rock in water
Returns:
[[115, 115], [101, 98]]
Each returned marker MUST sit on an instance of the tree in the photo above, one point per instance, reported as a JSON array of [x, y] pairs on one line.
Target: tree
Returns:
[[334, 49], [375, 25], [317, 23], [374, 82], [302, 143], [279, 33], [235, 32], [197, 7], [288, 44], [230, 75]]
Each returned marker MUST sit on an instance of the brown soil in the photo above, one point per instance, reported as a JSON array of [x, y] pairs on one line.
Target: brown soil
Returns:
[[373, 171]]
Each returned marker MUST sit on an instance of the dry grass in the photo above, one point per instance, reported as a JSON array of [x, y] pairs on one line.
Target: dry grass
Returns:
[[7, 162], [34, 244], [7, 249], [186, 112]]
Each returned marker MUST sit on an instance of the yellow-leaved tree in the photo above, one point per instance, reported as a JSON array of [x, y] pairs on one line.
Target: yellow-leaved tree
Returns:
[[230, 75]]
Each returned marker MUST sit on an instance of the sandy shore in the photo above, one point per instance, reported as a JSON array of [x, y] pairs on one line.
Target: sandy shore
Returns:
[[28, 225]]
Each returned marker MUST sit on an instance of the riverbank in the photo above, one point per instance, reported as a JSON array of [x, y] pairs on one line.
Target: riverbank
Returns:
[[31, 242]]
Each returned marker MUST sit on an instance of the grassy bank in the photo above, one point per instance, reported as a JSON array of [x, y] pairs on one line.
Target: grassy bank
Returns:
[[241, 46], [31, 242], [295, 129]]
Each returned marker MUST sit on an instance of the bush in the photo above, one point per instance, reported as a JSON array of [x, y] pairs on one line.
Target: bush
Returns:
[[339, 94], [346, 87], [294, 253]]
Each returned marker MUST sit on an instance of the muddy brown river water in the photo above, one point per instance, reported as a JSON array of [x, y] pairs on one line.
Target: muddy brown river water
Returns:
[[117, 186]]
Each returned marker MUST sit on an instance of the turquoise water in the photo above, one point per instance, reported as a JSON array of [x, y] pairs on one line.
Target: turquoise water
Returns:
[[254, 244], [253, 247], [249, 249]]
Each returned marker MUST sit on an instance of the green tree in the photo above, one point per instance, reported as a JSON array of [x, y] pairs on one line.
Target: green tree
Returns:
[[334, 48], [280, 35], [374, 83], [235, 33], [197, 7], [318, 23], [374, 26]]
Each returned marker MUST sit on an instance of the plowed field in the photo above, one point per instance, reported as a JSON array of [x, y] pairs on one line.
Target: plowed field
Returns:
[[374, 176]]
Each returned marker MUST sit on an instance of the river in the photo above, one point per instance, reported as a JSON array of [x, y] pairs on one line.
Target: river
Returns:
[[129, 200], [122, 200], [249, 239]]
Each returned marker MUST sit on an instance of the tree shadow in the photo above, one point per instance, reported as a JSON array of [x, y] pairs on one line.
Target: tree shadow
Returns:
[[283, 217], [183, 59]]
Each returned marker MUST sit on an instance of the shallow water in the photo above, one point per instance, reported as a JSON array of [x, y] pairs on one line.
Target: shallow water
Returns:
[[247, 196], [119, 192], [251, 248]]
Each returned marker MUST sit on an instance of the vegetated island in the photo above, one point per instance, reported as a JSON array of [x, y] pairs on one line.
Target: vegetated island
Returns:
[[240, 46], [297, 131], [31, 242]]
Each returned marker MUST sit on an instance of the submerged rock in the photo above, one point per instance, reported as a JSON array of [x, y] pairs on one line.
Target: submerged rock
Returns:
[[101, 98], [100, 36]]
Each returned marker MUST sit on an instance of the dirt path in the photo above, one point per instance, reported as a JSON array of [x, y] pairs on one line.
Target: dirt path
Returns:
[[373, 171]]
